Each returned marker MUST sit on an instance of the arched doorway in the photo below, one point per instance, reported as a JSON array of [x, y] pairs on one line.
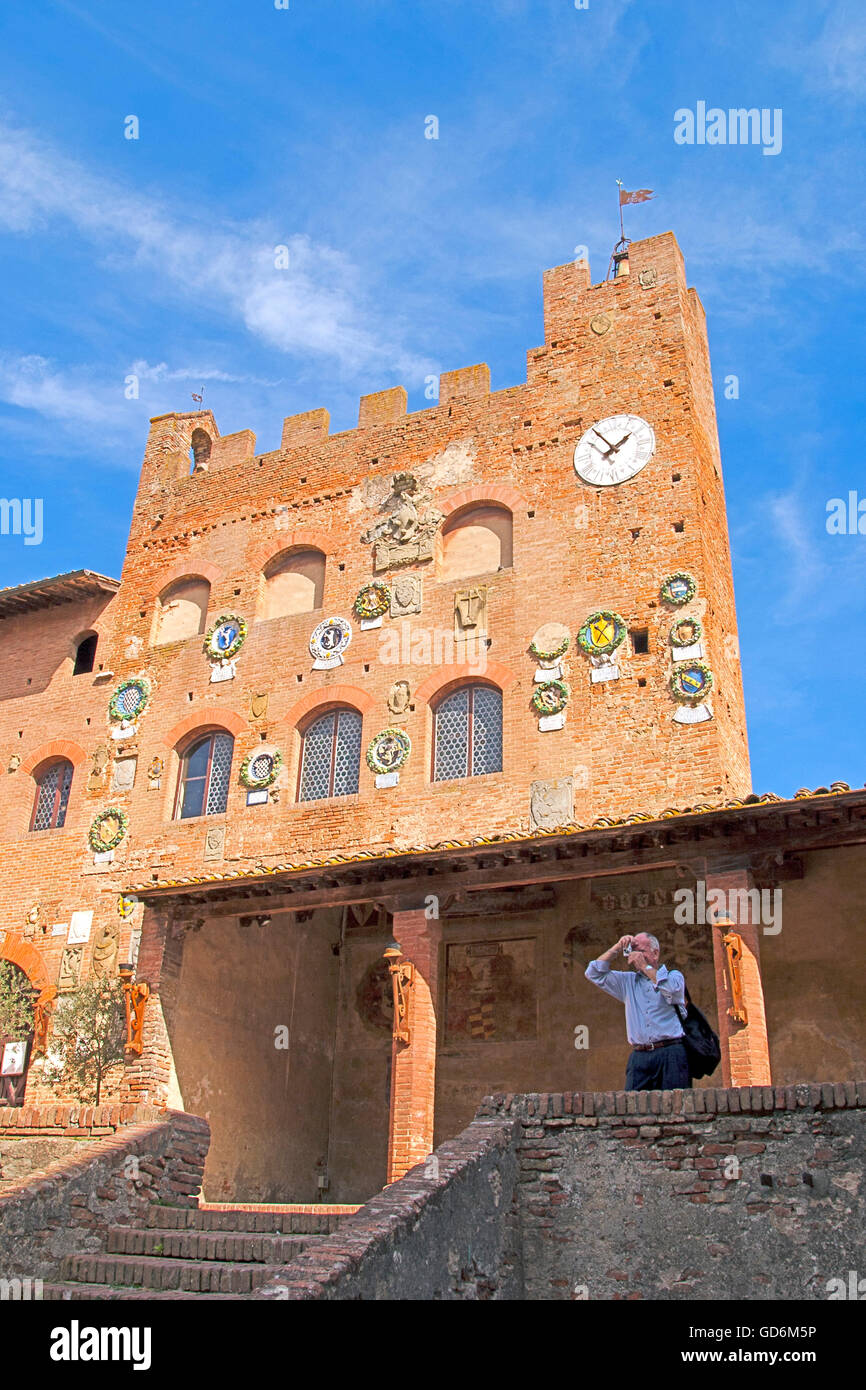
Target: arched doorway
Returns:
[[16, 1031], [18, 958]]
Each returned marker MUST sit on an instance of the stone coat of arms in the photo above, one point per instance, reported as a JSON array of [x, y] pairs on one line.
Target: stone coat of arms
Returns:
[[406, 534]]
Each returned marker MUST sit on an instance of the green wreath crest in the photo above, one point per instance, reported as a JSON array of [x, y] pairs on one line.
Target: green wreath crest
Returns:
[[603, 620], [100, 843], [681, 692], [679, 577], [678, 639], [551, 697], [404, 748], [116, 705], [248, 777], [373, 600], [554, 653], [225, 653]]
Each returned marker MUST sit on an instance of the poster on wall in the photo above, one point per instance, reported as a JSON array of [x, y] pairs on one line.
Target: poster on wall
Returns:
[[14, 1057], [490, 991]]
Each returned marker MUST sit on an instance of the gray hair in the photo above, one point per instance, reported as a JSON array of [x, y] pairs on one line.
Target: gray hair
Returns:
[[653, 940]]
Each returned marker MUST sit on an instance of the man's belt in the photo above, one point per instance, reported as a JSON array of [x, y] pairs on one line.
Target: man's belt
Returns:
[[651, 1047]]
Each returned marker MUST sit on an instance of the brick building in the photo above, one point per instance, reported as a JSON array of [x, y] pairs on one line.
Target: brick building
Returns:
[[382, 735]]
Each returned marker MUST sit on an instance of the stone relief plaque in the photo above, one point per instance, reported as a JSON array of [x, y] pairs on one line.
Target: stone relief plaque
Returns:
[[406, 596], [215, 842], [470, 611], [96, 775], [551, 803], [70, 968], [124, 774], [399, 697], [407, 533], [106, 949], [258, 706]]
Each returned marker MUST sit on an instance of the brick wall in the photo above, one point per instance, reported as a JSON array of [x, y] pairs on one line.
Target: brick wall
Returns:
[[32, 1136], [125, 1158], [743, 1194], [576, 548]]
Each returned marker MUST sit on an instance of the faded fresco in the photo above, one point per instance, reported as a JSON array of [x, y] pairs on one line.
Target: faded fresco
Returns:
[[490, 991]]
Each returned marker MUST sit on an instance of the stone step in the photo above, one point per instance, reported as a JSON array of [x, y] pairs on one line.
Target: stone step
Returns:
[[273, 1222], [235, 1247], [156, 1272], [73, 1293]]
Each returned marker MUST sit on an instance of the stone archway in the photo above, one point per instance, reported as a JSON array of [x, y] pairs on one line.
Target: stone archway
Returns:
[[27, 958]]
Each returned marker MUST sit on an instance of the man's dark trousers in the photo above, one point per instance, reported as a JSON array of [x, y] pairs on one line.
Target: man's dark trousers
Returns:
[[665, 1069]]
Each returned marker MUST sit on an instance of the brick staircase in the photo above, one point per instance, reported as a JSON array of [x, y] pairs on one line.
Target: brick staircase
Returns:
[[212, 1251]]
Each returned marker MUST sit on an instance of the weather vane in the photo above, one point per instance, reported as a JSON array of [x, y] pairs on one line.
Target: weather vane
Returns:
[[620, 251], [198, 399]]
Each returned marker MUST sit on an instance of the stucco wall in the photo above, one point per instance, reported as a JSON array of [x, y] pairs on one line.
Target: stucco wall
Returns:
[[814, 971]]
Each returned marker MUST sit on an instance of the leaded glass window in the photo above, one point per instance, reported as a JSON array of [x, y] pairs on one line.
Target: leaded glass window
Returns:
[[52, 797], [331, 759], [204, 777], [468, 733]]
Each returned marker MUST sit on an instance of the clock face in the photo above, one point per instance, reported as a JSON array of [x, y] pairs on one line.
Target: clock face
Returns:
[[614, 450]]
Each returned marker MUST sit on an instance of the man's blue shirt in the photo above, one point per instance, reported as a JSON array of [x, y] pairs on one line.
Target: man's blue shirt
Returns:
[[649, 1008]]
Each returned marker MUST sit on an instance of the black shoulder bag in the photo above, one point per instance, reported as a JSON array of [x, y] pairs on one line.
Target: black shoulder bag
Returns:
[[702, 1045]]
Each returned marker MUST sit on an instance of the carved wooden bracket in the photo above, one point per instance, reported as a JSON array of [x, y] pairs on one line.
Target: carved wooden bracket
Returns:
[[43, 1007], [734, 954], [135, 996], [402, 980]]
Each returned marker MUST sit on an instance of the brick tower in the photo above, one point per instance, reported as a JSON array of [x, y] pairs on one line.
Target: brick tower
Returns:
[[351, 650]]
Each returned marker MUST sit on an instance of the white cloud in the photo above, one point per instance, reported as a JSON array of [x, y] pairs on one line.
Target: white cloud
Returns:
[[316, 305], [33, 383], [160, 371], [835, 57]]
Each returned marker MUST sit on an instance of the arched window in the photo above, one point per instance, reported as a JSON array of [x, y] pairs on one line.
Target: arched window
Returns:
[[52, 796], [331, 755], [294, 583], [476, 540], [467, 734], [182, 609], [205, 768], [85, 655], [200, 451]]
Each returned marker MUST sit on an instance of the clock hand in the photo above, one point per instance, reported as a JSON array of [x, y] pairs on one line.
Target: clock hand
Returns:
[[601, 436], [616, 447]]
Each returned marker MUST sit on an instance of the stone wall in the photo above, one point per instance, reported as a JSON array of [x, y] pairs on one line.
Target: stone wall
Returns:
[[124, 1159], [745, 1194], [714, 1194], [446, 1231]]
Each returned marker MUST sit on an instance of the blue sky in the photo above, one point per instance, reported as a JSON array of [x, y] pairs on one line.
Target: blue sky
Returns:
[[305, 127]]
